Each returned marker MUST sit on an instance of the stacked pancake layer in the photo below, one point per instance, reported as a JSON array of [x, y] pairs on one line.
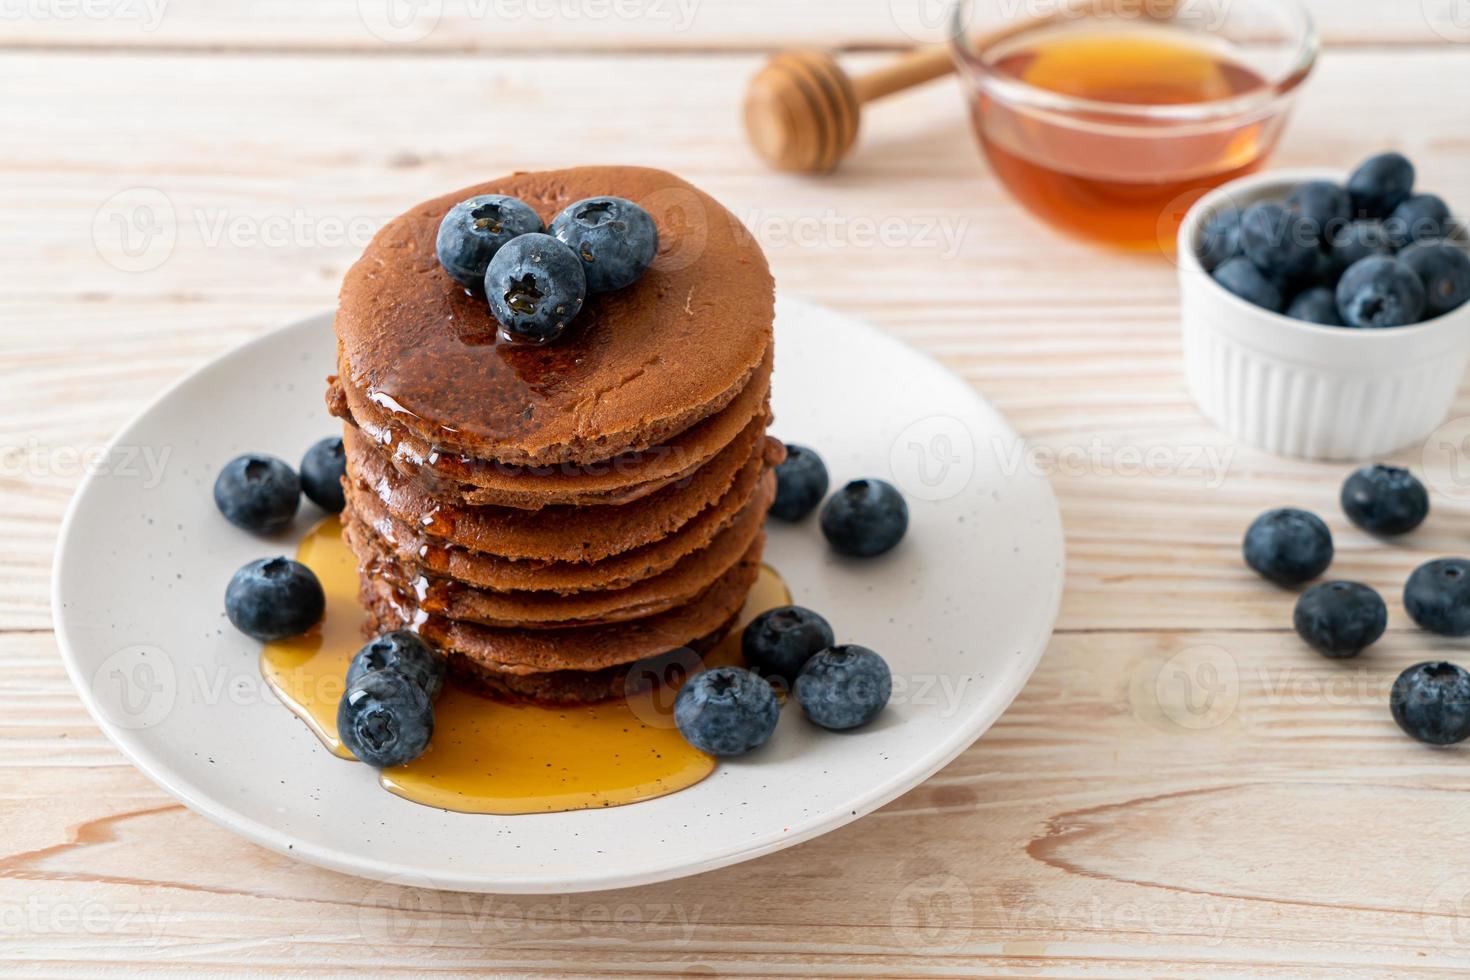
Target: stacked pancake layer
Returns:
[[551, 516]]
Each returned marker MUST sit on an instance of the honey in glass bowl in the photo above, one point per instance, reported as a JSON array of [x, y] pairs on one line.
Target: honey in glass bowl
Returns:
[[1110, 126]]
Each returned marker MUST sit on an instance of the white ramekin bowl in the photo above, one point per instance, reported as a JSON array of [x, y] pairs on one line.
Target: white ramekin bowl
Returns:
[[1299, 389]]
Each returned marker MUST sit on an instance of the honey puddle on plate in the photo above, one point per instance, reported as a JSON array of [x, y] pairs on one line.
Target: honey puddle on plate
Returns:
[[487, 756]]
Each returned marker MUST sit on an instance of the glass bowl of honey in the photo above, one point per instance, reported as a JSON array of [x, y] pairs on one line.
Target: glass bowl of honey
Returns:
[[1109, 119]]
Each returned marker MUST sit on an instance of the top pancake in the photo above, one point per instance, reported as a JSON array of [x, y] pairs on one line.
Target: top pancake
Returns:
[[636, 367]]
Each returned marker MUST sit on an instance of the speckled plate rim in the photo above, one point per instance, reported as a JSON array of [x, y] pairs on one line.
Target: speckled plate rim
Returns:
[[1047, 538]]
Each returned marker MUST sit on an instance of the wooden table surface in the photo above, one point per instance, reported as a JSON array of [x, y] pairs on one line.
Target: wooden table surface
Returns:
[[1181, 789]]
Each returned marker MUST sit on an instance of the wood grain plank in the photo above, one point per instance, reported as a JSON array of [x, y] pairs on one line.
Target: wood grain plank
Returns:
[[495, 26], [1130, 805]]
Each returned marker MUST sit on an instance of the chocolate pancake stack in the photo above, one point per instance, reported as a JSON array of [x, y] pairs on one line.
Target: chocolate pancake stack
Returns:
[[549, 516]]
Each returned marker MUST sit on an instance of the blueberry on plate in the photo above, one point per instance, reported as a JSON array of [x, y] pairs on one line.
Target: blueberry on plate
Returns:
[[1288, 546], [1353, 242], [801, 483], [1431, 702], [385, 719], [1423, 217], [1315, 305], [865, 518], [1381, 184], [257, 492], [402, 652], [1437, 596], [1380, 292], [1280, 243], [273, 598], [844, 687], [1241, 277], [726, 711], [779, 641], [615, 239], [535, 286], [1445, 272], [1385, 500], [1340, 619], [1220, 240], [1321, 202], [474, 230], [322, 469]]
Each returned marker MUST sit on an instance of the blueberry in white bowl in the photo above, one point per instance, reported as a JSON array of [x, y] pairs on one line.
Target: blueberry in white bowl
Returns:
[[1431, 702], [726, 711], [1220, 239], [801, 483], [1384, 500], [1445, 271], [615, 239], [257, 493], [1322, 202], [535, 285], [1380, 292], [1340, 619], [1241, 277], [1279, 242], [865, 518], [1288, 546], [844, 687], [1423, 217], [1355, 241], [1380, 184], [385, 719], [322, 469], [1437, 596], [274, 598], [1317, 304], [474, 230], [403, 652]]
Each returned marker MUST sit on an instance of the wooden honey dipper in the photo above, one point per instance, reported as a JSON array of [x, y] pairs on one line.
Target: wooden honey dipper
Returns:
[[802, 109]]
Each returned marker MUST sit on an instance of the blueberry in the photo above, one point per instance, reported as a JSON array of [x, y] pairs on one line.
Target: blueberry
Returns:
[[1385, 500], [1437, 596], [801, 483], [1340, 619], [1315, 305], [1445, 272], [726, 711], [385, 719], [844, 687], [322, 469], [474, 230], [778, 641], [1241, 277], [274, 598], [865, 518], [257, 492], [535, 285], [1281, 243], [1288, 546], [1321, 202], [1423, 217], [1381, 184], [402, 652], [1353, 242], [615, 239], [1220, 240], [1380, 292], [1431, 702]]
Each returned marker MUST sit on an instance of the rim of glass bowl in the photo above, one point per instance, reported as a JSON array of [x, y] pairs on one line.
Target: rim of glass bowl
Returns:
[[1013, 91]]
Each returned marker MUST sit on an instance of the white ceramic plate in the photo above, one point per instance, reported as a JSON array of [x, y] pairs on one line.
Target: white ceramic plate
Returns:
[[962, 611]]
